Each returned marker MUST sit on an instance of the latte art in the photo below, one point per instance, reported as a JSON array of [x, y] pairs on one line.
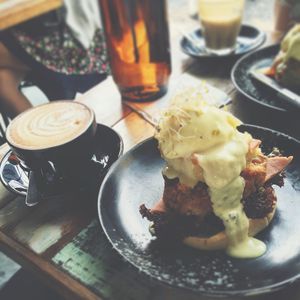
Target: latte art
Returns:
[[49, 125]]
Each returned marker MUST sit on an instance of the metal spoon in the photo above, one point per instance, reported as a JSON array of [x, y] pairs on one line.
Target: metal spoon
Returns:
[[16, 185]]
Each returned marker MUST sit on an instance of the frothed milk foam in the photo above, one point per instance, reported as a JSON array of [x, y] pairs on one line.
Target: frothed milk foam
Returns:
[[49, 125]]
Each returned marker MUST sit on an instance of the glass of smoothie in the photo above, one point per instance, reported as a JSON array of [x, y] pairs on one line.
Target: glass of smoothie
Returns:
[[221, 24]]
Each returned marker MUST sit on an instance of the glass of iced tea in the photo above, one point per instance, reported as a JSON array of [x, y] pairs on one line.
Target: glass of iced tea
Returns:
[[137, 37], [221, 23]]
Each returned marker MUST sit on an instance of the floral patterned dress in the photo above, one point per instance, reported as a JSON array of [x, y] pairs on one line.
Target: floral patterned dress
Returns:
[[59, 51]]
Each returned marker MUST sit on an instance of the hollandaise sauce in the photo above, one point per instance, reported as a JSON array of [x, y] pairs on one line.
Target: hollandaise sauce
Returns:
[[228, 207], [222, 166], [291, 44]]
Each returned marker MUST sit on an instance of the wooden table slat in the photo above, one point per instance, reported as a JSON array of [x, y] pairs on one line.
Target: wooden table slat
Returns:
[[5, 196], [91, 259], [51, 274], [133, 129], [52, 223], [106, 102], [13, 212], [13, 12]]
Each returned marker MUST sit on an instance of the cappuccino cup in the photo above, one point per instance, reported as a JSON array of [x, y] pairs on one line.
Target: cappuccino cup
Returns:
[[55, 141]]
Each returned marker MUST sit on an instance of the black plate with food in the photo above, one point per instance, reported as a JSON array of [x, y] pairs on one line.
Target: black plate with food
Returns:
[[136, 179], [250, 87], [249, 39]]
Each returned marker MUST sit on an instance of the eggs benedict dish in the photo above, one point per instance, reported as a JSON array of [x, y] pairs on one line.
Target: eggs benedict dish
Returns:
[[286, 66], [218, 190]]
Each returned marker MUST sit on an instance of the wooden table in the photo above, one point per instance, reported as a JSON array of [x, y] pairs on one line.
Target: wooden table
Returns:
[[62, 242], [13, 12]]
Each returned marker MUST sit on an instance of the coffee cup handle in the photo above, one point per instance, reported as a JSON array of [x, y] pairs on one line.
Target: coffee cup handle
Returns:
[[48, 172], [33, 196]]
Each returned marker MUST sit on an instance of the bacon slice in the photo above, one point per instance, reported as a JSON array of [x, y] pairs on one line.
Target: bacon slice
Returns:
[[270, 71], [276, 165], [159, 206], [254, 175], [253, 144]]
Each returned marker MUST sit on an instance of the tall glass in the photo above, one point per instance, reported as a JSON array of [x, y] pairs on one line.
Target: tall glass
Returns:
[[221, 24], [137, 37], [283, 17]]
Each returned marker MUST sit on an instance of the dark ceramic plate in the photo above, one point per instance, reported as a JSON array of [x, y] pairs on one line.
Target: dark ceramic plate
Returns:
[[136, 179], [248, 86], [249, 39], [108, 146]]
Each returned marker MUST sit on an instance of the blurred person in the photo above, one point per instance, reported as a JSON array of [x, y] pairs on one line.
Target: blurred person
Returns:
[[287, 13], [62, 52]]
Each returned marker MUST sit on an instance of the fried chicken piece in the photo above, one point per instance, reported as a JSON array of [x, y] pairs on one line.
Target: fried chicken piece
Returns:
[[185, 200], [173, 226], [260, 203], [196, 201], [170, 225], [260, 169]]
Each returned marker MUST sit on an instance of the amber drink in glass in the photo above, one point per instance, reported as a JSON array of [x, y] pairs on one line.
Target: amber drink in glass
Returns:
[[137, 37]]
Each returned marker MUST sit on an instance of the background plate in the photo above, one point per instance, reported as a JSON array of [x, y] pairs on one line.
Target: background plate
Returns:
[[136, 179], [249, 39], [248, 86]]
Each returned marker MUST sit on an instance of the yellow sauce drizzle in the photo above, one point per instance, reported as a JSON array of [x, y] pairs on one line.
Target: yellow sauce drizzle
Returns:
[[228, 207]]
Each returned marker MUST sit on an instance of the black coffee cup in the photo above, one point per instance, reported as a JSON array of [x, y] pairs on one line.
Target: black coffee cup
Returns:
[[57, 164]]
